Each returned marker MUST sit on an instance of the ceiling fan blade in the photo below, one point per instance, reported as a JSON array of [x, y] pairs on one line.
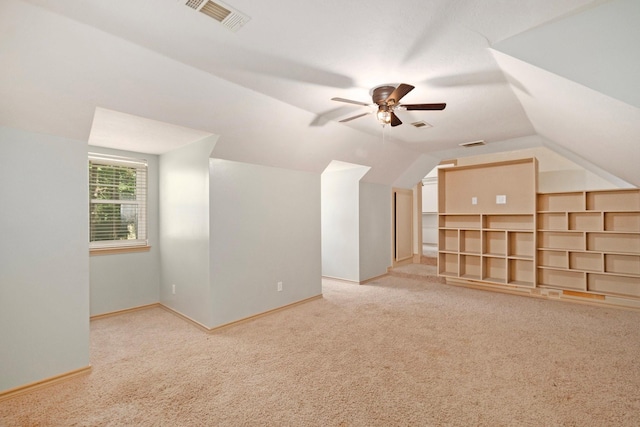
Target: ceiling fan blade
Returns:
[[410, 107], [398, 93], [395, 121], [348, 119], [349, 101]]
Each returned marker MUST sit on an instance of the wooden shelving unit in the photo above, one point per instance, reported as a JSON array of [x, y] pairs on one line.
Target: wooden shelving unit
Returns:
[[486, 217], [581, 244], [486, 247], [590, 242]]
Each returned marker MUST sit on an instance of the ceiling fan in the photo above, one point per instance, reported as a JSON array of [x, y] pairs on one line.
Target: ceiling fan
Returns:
[[387, 99]]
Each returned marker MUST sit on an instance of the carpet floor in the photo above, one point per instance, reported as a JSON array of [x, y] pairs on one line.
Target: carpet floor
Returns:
[[393, 352]]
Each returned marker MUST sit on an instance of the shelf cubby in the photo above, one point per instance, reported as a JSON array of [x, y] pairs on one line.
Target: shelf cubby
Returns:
[[448, 264], [614, 242], [622, 264], [552, 221], [616, 200], [470, 267], [613, 285], [585, 221], [622, 221], [494, 243], [585, 261], [470, 241], [560, 202], [520, 244], [448, 240], [509, 222], [521, 272], [561, 240], [460, 221], [563, 279], [494, 269], [551, 258]]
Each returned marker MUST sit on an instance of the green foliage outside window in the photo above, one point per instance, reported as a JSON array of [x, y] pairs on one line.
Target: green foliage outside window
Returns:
[[113, 204]]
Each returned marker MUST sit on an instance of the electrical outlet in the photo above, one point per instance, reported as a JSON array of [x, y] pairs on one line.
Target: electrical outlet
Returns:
[[173, 289], [474, 200], [279, 286], [501, 199]]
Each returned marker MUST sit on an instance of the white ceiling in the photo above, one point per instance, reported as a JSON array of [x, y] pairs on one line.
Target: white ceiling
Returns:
[[122, 131], [267, 89], [598, 49]]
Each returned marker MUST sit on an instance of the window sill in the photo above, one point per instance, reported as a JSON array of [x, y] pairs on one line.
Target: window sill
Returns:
[[120, 250]]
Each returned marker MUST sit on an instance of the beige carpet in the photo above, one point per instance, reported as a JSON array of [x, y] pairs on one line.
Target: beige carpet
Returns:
[[393, 352]]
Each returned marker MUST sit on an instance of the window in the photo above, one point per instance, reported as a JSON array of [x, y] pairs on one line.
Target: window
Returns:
[[117, 202]]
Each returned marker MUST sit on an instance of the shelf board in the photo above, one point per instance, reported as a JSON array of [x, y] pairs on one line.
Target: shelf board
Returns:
[[543, 248], [545, 267], [521, 257], [584, 270], [610, 232], [448, 274], [564, 230], [512, 230], [494, 255], [610, 273], [500, 280], [521, 283], [614, 252]]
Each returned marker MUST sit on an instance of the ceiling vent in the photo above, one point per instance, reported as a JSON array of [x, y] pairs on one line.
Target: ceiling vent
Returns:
[[194, 4], [422, 124], [231, 18], [472, 143]]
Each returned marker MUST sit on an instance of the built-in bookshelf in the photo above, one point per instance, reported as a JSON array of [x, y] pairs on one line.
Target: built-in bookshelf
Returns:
[[590, 242], [492, 248], [495, 230], [486, 223]]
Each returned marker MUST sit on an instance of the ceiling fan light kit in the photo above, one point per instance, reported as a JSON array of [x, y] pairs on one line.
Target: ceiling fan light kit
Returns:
[[387, 99], [384, 115]]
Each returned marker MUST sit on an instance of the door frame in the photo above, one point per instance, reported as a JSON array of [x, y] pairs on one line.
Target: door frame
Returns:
[[402, 259]]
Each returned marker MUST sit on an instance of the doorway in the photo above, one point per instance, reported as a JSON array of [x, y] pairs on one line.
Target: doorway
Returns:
[[402, 225]]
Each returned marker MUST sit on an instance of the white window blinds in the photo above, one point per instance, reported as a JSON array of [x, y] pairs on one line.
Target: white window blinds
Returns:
[[117, 201]]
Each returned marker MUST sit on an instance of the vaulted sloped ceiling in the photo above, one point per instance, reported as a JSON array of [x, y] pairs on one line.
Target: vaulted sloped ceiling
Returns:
[[597, 48], [580, 84], [266, 89]]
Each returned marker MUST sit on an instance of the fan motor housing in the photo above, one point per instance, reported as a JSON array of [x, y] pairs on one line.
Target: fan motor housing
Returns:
[[381, 93]]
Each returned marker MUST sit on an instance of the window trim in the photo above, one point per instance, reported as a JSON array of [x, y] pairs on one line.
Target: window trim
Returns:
[[118, 250], [106, 247]]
